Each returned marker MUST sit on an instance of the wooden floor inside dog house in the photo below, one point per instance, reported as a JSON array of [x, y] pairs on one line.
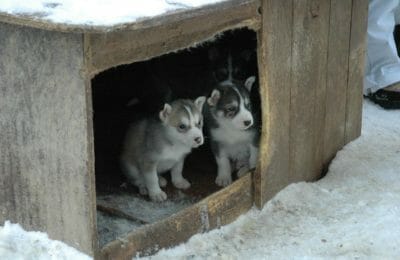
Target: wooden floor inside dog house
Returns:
[[126, 93]]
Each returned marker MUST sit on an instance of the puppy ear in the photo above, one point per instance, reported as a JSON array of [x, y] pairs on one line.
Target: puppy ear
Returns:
[[213, 54], [164, 114], [199, 102], [213, 99], [250, 82]]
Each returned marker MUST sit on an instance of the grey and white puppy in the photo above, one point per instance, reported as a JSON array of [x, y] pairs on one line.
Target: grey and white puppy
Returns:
[[156, 145], [232, 128]]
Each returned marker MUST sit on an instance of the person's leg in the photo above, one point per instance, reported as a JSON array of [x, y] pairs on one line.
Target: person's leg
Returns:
[[383, 63]]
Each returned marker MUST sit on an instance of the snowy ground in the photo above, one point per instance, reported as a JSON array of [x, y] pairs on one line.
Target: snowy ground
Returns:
[[354, 212], [95, 12], [17, 244]]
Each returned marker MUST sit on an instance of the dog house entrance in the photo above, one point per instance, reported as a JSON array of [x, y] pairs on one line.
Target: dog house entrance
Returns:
[[124, 94]]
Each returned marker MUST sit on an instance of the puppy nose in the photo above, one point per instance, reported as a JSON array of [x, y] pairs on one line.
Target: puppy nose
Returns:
[[247, 122], [198, 140]]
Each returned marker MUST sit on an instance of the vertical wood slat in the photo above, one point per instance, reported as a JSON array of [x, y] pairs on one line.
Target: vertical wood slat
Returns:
[[337, 76], [274, 62], [44, 148], [309, 59], [357, 51]]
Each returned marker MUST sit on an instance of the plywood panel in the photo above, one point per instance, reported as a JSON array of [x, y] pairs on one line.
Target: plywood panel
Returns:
[[106, 50], [274, 62], [337, 76], [46, 180], [308, 90], [356, 69]]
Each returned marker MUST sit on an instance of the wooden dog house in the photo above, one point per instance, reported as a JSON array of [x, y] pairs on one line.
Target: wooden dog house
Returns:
[[310, 59]]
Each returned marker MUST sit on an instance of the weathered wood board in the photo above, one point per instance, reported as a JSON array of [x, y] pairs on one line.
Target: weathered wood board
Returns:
[[337, 76], [311, 73], [105, 50], [45, 157], [274, 63], [307, 96], [358, 47]]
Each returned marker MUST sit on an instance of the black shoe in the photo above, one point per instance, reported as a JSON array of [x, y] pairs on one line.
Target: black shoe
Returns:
[[386, 98]]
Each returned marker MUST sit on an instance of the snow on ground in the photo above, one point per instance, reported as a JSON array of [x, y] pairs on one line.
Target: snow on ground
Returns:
[[95, 12], [354, 212], [17, 244]]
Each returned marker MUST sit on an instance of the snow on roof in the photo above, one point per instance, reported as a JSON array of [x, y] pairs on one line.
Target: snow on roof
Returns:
[[97, 12]]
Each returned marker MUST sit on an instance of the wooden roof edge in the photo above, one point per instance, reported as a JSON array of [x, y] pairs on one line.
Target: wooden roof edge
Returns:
[[35, 20]]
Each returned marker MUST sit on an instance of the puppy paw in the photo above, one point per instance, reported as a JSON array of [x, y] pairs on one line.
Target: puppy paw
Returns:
[[158, 196], [242, 171], [223, 181], [162, 181], [182, 184]]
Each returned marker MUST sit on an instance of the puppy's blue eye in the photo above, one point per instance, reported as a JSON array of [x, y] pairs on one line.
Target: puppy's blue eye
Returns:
[[182, 127], [230, 109]]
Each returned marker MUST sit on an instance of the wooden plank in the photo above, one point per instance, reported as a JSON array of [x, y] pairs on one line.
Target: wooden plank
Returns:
[[337, 75], [90, 188], [218, 209], [127, 46], [307, 96], [358, 36], [46, 179], [274, 64], [35, 20], [228, 204]]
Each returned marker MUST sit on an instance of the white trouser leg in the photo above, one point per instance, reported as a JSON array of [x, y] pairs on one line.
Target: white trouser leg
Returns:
[[382, 61]]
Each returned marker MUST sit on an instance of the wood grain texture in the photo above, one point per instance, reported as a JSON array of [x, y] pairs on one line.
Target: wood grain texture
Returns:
[[358, 39], [337, 76], [127, 46], [45, 182], [218, 209], [274, 63], [307, 95], [306, 62]]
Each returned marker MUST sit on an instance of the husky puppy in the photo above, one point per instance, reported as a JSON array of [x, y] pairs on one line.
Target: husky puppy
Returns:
[[233, 130], [233, 56], [229, 64], [231, 60], [156, 145]]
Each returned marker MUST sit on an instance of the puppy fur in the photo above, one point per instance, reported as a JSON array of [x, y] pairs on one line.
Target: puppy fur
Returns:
[[233, 130], [156, 145]]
